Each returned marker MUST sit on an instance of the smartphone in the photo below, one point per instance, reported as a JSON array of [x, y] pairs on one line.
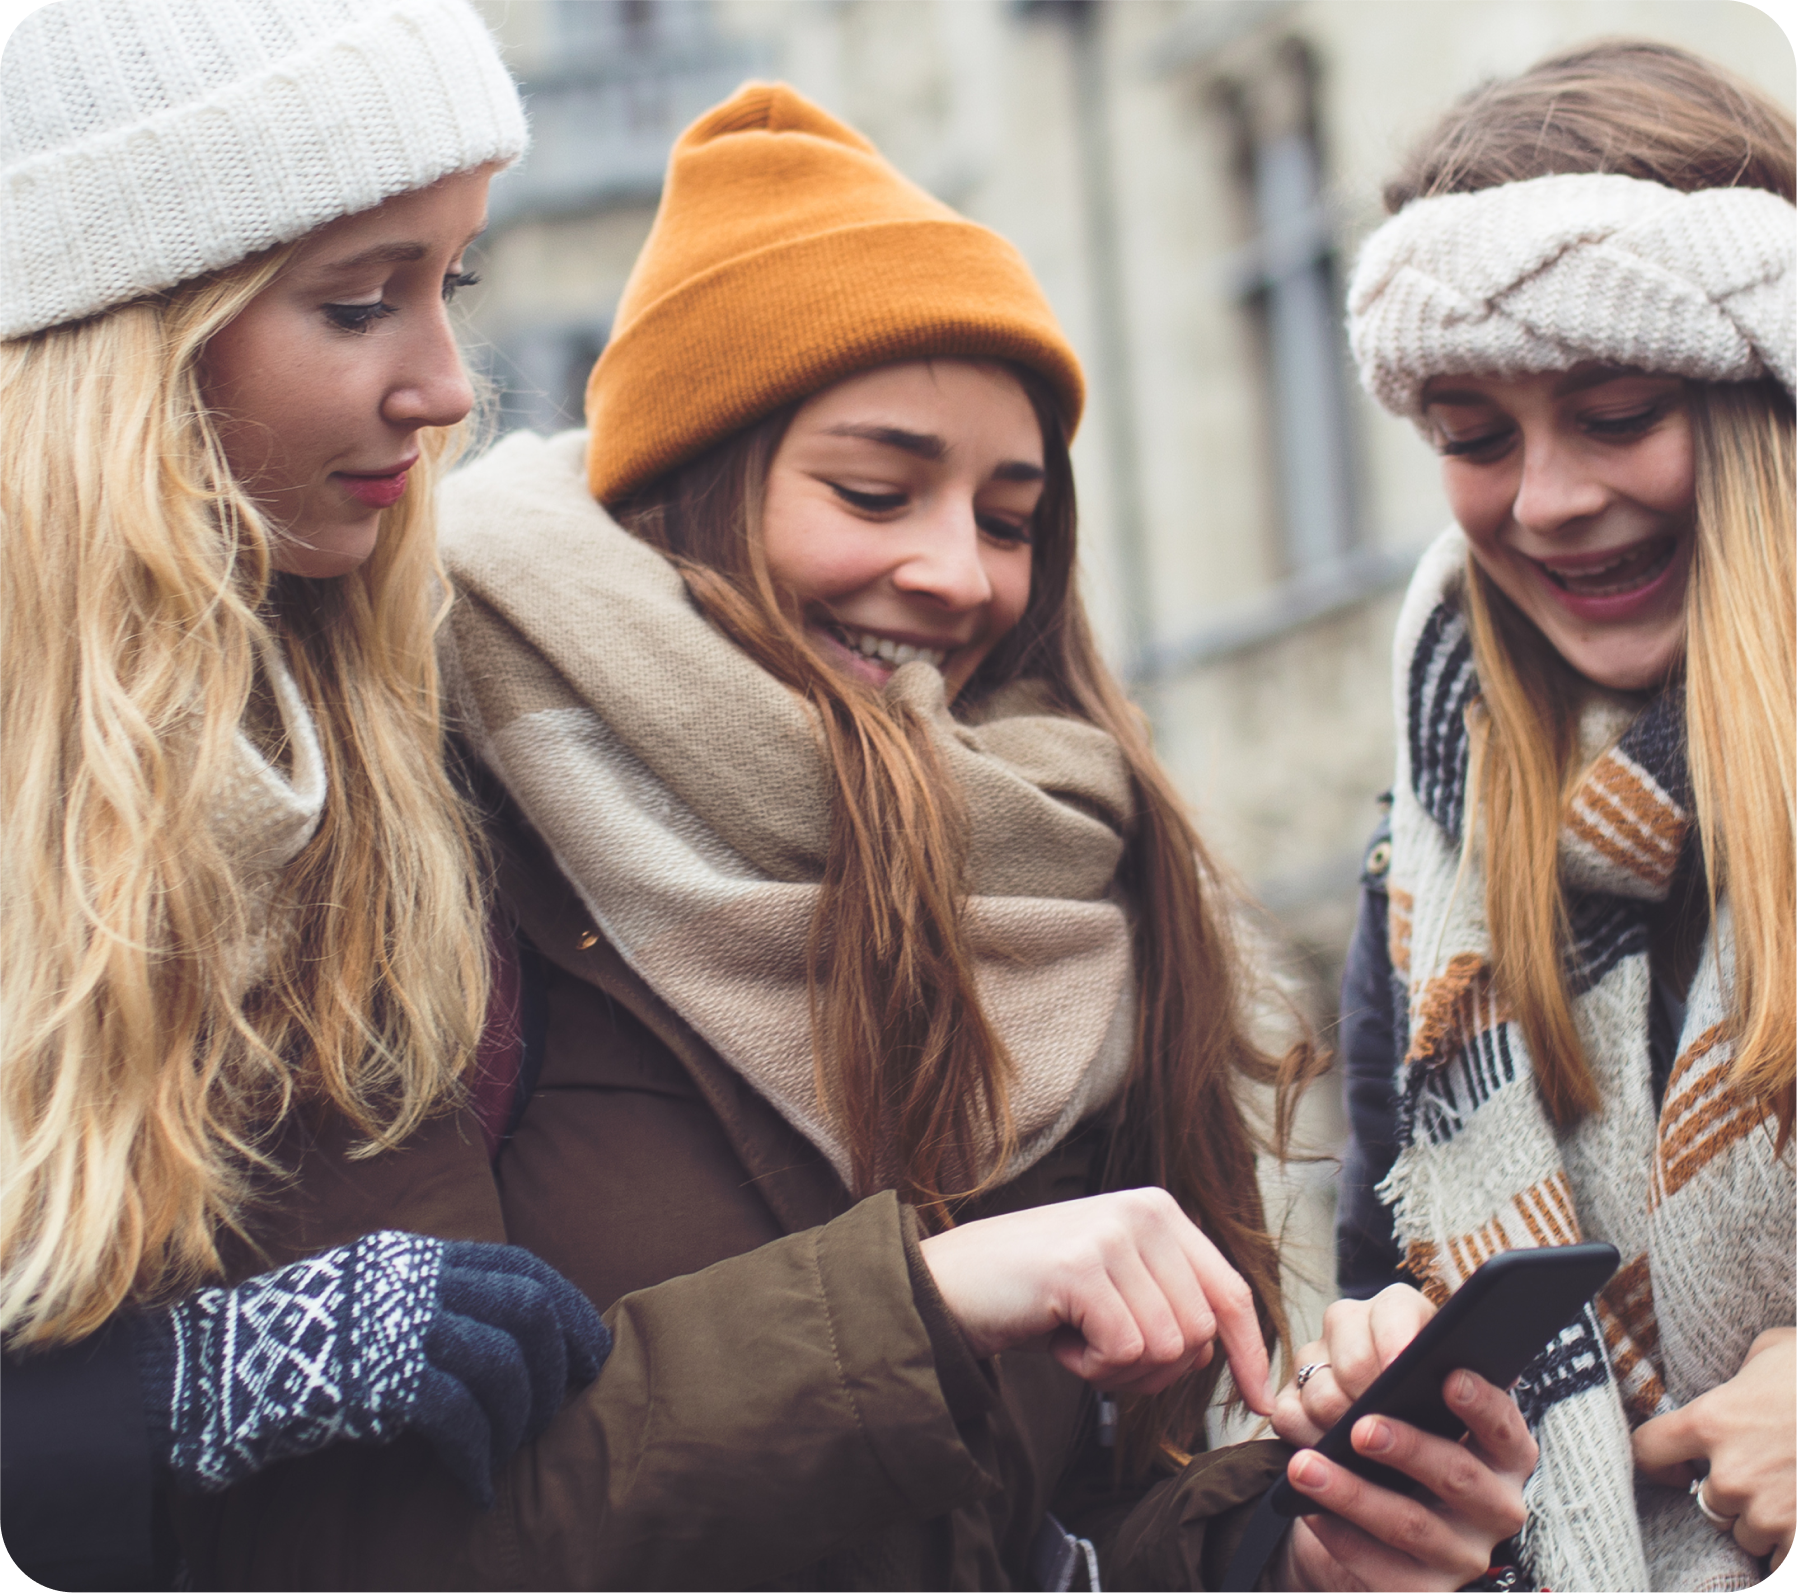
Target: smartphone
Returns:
[[1498, 1321]]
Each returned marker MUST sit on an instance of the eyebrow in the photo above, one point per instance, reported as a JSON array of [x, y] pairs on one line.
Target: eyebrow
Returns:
[[1573, 382], [927, 445], [1578, 381], [395, 253], [919, 444], [381, 254]]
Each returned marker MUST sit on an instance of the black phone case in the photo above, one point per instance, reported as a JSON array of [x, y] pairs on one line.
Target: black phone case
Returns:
[[1498, 1321]]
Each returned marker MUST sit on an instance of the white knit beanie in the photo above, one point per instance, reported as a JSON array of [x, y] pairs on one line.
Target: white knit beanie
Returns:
[[1550, 273], [145, 142]]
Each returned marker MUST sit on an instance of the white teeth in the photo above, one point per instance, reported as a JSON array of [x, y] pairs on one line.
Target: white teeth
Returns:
[[891, 652]]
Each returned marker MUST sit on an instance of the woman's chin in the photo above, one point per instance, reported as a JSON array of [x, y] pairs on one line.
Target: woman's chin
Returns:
[[1627, 664], [321, 557]]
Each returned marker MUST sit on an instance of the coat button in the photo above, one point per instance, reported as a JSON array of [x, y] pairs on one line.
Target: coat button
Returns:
[[587, 939]]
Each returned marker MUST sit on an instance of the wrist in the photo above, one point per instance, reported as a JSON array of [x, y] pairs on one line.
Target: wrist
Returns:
[[1283, 1573]]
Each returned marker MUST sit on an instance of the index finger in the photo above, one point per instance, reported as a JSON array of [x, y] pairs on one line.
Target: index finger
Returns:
[[1662, 1443], [1238, 1326], [1398, 1314]]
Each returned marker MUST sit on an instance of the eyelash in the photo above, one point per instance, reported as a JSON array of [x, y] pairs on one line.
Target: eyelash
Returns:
[[1630, 425], [886, 502], [1606, 428], [359, 317], [869, 502]]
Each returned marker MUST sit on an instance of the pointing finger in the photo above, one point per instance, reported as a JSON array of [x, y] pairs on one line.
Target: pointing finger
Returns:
[[1664, 1444]]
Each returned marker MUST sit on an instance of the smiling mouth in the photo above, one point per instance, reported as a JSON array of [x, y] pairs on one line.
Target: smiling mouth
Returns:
[[883, 649], [1629, 571]]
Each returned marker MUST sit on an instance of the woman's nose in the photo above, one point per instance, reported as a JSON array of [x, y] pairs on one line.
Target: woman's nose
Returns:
[[945, 564], [1558, 487], [431, 385]]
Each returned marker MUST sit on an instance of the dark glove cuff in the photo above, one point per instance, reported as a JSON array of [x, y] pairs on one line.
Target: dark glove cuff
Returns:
[[153, 1343]]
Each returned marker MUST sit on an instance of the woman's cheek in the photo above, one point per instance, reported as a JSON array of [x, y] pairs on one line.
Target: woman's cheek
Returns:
[[1479, 500]]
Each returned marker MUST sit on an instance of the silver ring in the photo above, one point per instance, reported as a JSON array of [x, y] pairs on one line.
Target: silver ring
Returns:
[[1309, 1370], [1720, 1522]]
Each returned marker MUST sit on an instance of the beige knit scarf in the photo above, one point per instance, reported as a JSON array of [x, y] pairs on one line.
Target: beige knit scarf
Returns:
[[685, 795], [1703, 1212], [267, 812]]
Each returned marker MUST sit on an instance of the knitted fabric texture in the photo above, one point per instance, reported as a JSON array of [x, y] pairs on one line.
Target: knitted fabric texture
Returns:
[[1546, 274], [265, 816], [787, 254], [686, 797], [145, 142], [1703, 1213], [326, 1349], [473, 1346]]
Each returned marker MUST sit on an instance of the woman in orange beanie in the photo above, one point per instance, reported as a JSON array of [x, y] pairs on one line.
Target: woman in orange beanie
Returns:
[[886, 1013]]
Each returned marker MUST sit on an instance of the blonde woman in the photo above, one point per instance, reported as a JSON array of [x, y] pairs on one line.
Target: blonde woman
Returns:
[[1573, 1000], [241, 895]]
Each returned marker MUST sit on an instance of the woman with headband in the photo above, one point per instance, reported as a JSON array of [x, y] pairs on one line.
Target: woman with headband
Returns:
[[242, 908], [1571, 1001]]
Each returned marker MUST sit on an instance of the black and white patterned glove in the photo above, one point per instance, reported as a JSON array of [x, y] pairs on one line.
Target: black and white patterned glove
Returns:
[[474, 1346]]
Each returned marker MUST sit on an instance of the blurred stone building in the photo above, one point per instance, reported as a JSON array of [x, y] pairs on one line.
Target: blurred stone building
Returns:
[[1188, 179]]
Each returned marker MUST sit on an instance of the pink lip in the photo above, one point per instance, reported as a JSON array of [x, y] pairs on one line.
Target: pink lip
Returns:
[[378, 492], [875, 671], [1615, 608]]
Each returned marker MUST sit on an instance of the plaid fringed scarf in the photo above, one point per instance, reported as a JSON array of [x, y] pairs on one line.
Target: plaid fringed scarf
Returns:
[[1693, 1197]]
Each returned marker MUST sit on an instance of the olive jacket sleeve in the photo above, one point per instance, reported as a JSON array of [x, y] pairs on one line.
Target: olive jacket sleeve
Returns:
[[794, 1416], [788, 1402]]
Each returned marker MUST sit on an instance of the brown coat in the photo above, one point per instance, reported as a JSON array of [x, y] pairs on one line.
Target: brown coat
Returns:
[[788, 1402]]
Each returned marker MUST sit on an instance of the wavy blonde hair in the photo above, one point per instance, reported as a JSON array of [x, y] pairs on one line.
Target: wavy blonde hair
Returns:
[[140, 1086], [1656, 112]]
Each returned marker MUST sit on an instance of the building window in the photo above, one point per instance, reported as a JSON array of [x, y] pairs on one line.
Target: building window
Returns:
[[1286, 278]]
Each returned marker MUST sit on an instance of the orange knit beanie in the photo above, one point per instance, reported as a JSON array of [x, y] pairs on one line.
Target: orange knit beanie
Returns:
[[787, 254]]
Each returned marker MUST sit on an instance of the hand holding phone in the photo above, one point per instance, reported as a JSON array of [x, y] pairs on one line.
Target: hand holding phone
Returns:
[[1502, 1317]]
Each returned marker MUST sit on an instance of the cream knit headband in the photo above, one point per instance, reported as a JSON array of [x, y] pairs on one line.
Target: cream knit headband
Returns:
[[144, 142], [1546, 274]]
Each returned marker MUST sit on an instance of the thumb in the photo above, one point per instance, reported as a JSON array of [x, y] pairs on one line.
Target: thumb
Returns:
[[1664, 1445]]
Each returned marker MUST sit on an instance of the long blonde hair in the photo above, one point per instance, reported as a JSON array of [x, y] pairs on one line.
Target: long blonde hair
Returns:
[[137, 594], [1659, 113]]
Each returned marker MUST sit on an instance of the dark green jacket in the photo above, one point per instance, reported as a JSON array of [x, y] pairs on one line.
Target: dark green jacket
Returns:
[[788, 1402]]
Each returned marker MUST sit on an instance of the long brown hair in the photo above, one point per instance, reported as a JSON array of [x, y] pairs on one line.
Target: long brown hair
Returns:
[[1655, 112], [916, 1070]]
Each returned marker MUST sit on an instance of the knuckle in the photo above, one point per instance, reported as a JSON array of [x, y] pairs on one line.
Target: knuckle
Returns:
[[1413, 1530], [1234, 1294], [1145, 1202], [1165, 1345], [1460, 1477], [1528, 1450]]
